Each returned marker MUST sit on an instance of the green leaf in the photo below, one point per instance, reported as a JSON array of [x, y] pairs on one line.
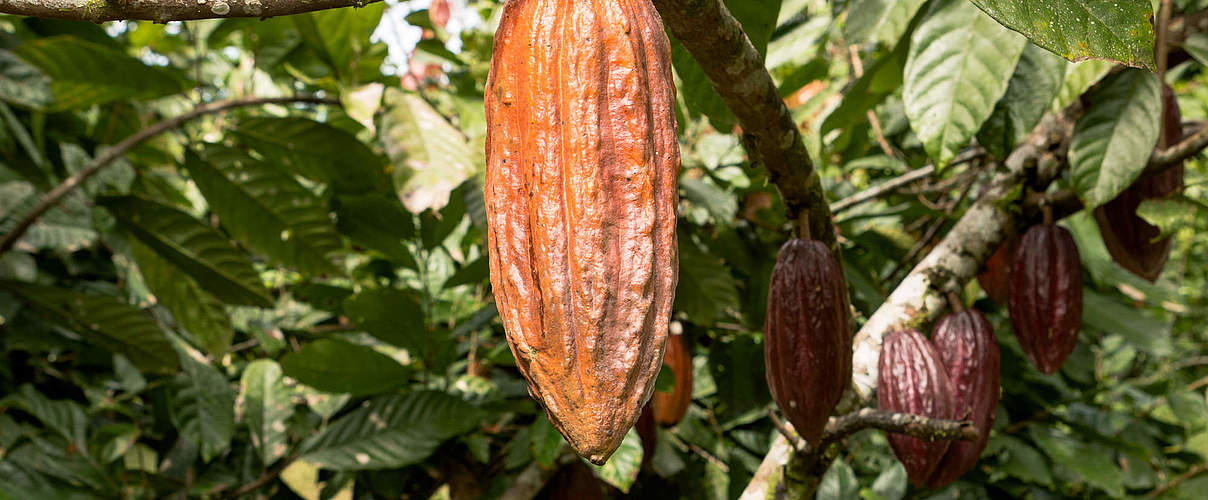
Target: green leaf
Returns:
[[340, 36], [839, 482], [1113, 317], [1092, 462], [391, 431], [881, 21], [1169, 214], [545, 441], [472, 273], [721, 204], [23, 84], [880, 80], [104, 321], [1078, 78], [430, 156], [1113, 140], [1018, 459], [113, 441], [201, 315], [389, 314], [1030, 92], [891, 484], [84, 74], [1116, 30], [197, 249], [706, 288], [266, 408], [338, 366], [204, 407], [379, 223], [268, 210], [621, 469], [63, 416], [67, 227], [315, 150], [959, 65]]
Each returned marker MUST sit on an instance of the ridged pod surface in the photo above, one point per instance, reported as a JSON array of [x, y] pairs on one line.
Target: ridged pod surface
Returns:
[[807, 344], [995, 276], [670, 407], [1046, 295], [1132, 241], [582, 165], [912, 379], [969, 352]]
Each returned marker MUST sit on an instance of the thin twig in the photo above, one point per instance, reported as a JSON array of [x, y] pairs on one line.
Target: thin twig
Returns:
[[785, 430], [1194, 471], [56, 195], [162, 11], [882, 189], [927, 429]]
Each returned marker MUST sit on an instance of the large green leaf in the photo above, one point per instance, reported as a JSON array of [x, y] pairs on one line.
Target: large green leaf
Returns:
[[1031, 91], [392, 315], [706, 288], [23, 84], [268, 210], [104, 321], [340, 36], [63, 416], [83, 73], [431, 157], [337, 366], [880, 80], [391, 431], [316, 151], [204, 407], [266, 408], [196, 311], [621, 469], [1079, 77], [1091, 461], [1116, 30], [67, 227], [959, 65], [379, 223], [195, 248], [881, 21], [1113, 140]]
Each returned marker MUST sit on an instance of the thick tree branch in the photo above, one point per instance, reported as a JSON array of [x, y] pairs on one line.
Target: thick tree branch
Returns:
[[714, 37], [162, 11], [56, 195], [927, 429]]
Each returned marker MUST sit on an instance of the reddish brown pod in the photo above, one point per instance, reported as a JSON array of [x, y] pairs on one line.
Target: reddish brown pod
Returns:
[[1046, 295], [807, 344], [995, 277], [575, 481], [670, 407], [969, 352], [1132, 241], [580, 192], [911, 378]]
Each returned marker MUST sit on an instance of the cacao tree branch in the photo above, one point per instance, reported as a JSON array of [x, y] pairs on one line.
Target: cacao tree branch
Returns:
[[56, 195], [899, 182], [712, 35], [162, 11], [927, 429]]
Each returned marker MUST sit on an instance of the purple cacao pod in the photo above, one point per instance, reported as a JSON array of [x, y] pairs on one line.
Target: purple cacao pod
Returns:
[[912, 379], [967, 347], [1046, 295], [1133, 242], [807, 344]]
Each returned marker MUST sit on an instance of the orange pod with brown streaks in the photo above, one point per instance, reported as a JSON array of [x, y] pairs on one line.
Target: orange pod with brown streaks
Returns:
[[582, 165]]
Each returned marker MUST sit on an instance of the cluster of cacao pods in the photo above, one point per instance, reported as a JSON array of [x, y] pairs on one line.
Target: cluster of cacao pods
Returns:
[[954, 375], [807, 342], [580, 194]]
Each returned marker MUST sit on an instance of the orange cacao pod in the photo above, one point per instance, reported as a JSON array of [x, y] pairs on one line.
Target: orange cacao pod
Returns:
[[995, 277], [670, 407], [580, 192], [806, 345], [911, 378], [969, 352], [1046, 295], [1133, 242]]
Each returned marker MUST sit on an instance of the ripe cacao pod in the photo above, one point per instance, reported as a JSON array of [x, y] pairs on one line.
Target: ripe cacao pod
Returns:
[[1132, 241], [580, 192], [670, 407], [1046, 295], [911, 378], [995, 277], [969, 352], [807, 345]]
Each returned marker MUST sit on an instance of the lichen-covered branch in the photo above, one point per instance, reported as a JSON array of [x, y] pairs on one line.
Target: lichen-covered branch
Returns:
[[163, 11], [715, 39]]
